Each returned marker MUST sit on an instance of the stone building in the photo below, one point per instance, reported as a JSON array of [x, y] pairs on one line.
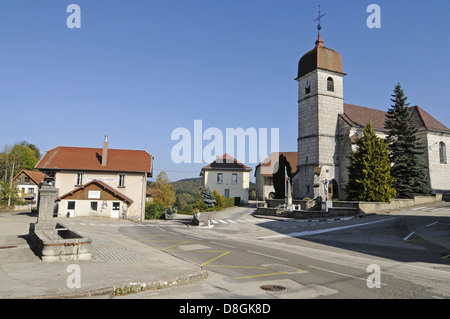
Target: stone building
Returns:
[[328, 129]]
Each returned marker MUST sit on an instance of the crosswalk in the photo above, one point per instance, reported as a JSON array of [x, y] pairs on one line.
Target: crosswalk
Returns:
[[237, 221], [149, 224]]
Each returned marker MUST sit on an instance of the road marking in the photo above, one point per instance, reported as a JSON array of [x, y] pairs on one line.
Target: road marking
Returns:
[[431, 224], [338, 273], [222, 221], [256, 253], [214, 222], [417, 208], [321, 231], [264, 275], [225, 253], [406, 238], [231, 221], [213, 242], [184, 242]]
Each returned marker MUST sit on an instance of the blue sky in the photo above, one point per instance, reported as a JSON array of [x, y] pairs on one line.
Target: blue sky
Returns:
[[138, 69]]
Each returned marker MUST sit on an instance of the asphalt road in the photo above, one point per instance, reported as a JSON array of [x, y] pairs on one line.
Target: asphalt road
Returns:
[[404, 254]]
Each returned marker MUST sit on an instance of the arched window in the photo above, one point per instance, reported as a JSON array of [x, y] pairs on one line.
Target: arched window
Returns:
[[442, 153], [330, 84]]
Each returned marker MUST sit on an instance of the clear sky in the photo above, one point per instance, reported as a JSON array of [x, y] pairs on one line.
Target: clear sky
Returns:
[[138, 69]]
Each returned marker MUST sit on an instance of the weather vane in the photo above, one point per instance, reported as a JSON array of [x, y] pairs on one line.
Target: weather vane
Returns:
[[319, 27]]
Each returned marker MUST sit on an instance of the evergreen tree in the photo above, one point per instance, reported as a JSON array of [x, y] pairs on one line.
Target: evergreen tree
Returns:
[[279, 177], [405, 149], [370, 177]]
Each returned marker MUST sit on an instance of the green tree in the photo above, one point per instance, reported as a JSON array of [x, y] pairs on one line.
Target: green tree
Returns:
[[370, 177], [220, 200], [279, 177], [405, 149], [163, 190]]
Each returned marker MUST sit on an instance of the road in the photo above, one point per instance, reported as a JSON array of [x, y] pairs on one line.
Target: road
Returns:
[[405, 254]]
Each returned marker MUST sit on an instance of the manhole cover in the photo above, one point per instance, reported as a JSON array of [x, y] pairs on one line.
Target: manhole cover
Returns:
[[272, 288]]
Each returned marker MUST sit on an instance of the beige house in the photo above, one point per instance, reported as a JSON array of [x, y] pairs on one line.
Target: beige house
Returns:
[[228, 177], [265, 170], [98, 182]]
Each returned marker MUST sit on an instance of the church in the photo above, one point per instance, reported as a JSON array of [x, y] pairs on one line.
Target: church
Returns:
[[328, 129]]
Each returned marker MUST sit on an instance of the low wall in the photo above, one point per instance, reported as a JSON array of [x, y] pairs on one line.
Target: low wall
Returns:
[[396, 204]]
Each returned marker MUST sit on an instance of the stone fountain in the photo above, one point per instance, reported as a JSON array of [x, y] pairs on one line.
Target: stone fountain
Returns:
[[53, 241]]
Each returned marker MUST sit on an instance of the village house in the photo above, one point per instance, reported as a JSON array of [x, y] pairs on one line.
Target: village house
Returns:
[[28, 184], [264, 173], [228, 177], [98, 182]]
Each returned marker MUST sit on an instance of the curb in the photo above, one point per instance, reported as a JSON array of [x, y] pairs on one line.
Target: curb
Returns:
[[128, 288]]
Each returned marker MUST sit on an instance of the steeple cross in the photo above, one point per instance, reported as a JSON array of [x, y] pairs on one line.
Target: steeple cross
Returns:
[[319, 27]]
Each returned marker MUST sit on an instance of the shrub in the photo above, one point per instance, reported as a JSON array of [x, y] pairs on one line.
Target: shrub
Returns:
[[154, 210]]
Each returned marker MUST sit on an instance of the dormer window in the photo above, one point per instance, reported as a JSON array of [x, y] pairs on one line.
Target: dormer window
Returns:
[[330, 84]]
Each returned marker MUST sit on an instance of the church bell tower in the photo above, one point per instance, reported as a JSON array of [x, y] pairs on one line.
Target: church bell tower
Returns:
[[320, 101]]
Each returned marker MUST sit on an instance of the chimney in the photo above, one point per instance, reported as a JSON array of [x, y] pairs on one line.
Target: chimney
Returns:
[[105, 151]]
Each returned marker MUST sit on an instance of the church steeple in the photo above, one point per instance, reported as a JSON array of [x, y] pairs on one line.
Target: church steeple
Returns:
[[319, 42]]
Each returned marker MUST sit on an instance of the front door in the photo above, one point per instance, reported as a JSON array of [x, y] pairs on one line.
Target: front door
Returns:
[[70, 209], [115, 209]]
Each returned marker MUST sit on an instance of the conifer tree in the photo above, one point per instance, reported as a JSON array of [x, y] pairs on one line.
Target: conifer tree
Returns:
[[370, 177], [405, 149]]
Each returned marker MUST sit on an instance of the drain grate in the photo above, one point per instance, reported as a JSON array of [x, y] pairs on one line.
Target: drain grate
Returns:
[[272, 288]]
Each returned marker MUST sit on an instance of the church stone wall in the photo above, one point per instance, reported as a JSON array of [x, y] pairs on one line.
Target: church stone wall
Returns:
[[439, 173]]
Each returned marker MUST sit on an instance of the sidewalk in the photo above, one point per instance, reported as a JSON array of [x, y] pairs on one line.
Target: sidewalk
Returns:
[[119, 262]]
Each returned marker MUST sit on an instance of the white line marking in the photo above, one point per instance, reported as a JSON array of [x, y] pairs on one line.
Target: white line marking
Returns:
[[213, 242], [256, 253], [406, 238], [321, 231], [338, 273], [214, 222], [222, 221], [231, 221], [431, 224], [417, 208]]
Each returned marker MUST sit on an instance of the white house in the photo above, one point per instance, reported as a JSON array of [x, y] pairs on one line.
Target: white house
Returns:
[[228, 177], [28, 184], [99, 182]]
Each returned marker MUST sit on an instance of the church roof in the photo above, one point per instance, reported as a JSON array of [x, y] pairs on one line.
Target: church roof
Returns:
[[320, 57], [356, 115]]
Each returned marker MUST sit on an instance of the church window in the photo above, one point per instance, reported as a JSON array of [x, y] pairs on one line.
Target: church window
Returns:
[[330, 84], [442, 153]]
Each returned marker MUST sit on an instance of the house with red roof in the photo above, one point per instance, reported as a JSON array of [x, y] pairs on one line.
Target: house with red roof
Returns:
[[228, 177], [98, 182]]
